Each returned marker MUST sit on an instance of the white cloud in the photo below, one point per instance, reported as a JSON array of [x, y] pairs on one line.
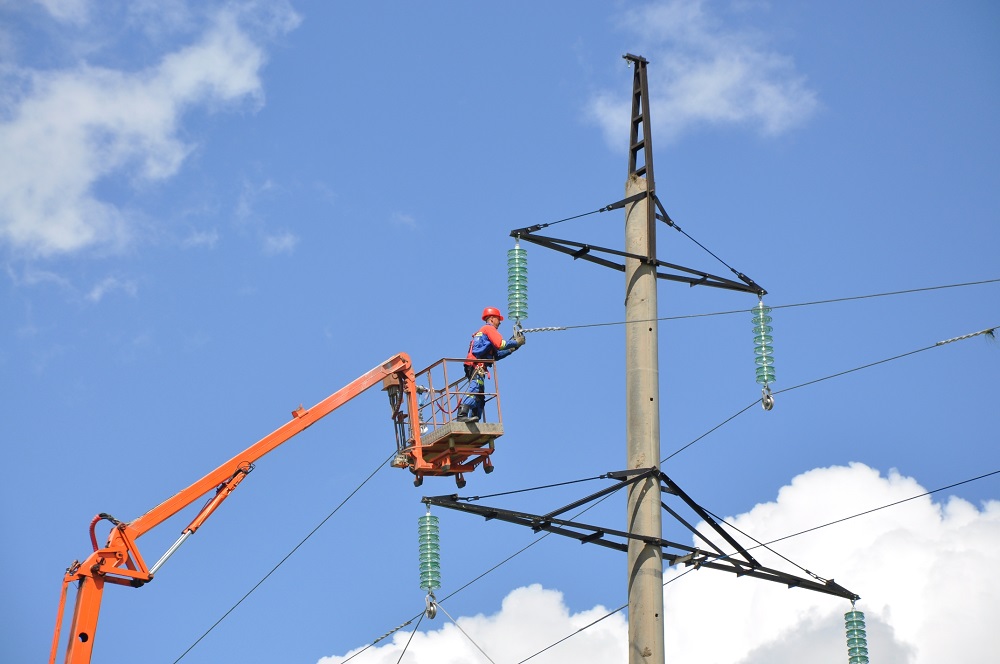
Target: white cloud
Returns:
[[535, 615], [702, 73], [32, 276], [110, 285], [403, 219], [71, 11], [280, 243], [250, 194], [69, 129], [926, 572], [923, 570], [206, 239]]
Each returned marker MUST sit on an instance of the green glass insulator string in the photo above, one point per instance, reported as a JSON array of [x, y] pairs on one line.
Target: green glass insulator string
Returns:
[[430, 552], [857, 639], [517, 283], [763, 349]]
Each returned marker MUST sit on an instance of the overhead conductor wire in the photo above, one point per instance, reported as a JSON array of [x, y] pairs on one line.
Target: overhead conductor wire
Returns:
[[287, 556], [988, 332], [560, 328], [671, 223], [765, 545]]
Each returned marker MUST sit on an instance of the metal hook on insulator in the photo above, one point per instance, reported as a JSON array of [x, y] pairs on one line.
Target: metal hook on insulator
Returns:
[[766, 399], [432, 607]]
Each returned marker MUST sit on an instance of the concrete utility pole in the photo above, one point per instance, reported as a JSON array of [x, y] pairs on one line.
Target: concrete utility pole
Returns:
[[642, 390]]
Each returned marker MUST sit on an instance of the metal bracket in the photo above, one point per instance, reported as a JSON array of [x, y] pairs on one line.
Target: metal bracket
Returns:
[[580, 250], [740, 562]]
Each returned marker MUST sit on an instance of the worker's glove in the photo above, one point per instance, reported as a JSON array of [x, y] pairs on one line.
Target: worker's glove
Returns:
[[512, 344], [519, 338]]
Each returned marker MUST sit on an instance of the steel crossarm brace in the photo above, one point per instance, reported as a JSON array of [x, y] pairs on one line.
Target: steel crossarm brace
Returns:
[[625, 477], [596, 535], [700, 511], [688, 556], [829, 587], [583, 251], [538, 522], [687, 525]]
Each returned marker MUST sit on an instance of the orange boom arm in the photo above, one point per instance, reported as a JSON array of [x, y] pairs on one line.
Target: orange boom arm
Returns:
[[119, 561]]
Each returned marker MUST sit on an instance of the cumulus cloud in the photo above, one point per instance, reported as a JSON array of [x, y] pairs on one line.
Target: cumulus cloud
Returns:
[[926, 572], [65, 130], [923, 569], [534, 614], [706, 74]]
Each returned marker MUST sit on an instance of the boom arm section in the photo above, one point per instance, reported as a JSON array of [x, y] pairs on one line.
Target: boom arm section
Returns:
[[119, 561]]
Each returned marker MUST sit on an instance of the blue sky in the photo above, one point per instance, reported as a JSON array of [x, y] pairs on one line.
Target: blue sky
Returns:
[[213, 212]]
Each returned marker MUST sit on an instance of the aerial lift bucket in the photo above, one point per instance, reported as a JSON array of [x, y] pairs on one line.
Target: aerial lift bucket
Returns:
[[438, 443]]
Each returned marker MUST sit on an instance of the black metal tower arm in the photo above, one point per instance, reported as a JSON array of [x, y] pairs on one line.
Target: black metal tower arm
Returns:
[[740, 562], [585, 251]]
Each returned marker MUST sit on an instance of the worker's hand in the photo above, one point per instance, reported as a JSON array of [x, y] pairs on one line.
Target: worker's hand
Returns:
[[519, 338]]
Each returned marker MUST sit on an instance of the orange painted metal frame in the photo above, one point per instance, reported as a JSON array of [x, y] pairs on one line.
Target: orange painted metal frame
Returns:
[[119, 561], [458, 452]]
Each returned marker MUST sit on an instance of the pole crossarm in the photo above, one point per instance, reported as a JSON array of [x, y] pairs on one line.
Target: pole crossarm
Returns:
[[584, 251], [740, 562]]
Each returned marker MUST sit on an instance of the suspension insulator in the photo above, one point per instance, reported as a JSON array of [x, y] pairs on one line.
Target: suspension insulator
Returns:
[[430, 552], [857, 639], [762, 349], [517, 283]]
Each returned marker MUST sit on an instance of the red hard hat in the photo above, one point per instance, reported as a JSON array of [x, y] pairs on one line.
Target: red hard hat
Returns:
[[492, 311]]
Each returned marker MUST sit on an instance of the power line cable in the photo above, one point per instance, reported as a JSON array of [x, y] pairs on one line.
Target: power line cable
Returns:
[[287, 556], [471, 640], [876, 509], [538, 227], [765, 545], [759, 545], [779, 306], [570, 636], [455, 592], [989, 332], [482, 575], [610, 613], [406, 647], [534, 488], [762, 544], [604, 617], [717, 426]]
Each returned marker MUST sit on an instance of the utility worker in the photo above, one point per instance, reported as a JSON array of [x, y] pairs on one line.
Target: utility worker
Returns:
[[486, 344]]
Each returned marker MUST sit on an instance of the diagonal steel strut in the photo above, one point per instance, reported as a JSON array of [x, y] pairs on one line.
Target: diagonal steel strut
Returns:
[[740, 562]]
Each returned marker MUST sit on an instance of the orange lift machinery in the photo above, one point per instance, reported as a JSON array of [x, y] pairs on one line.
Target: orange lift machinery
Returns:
[[429, 442]]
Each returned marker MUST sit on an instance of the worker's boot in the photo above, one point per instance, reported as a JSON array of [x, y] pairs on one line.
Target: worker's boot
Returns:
[[465, 416]]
